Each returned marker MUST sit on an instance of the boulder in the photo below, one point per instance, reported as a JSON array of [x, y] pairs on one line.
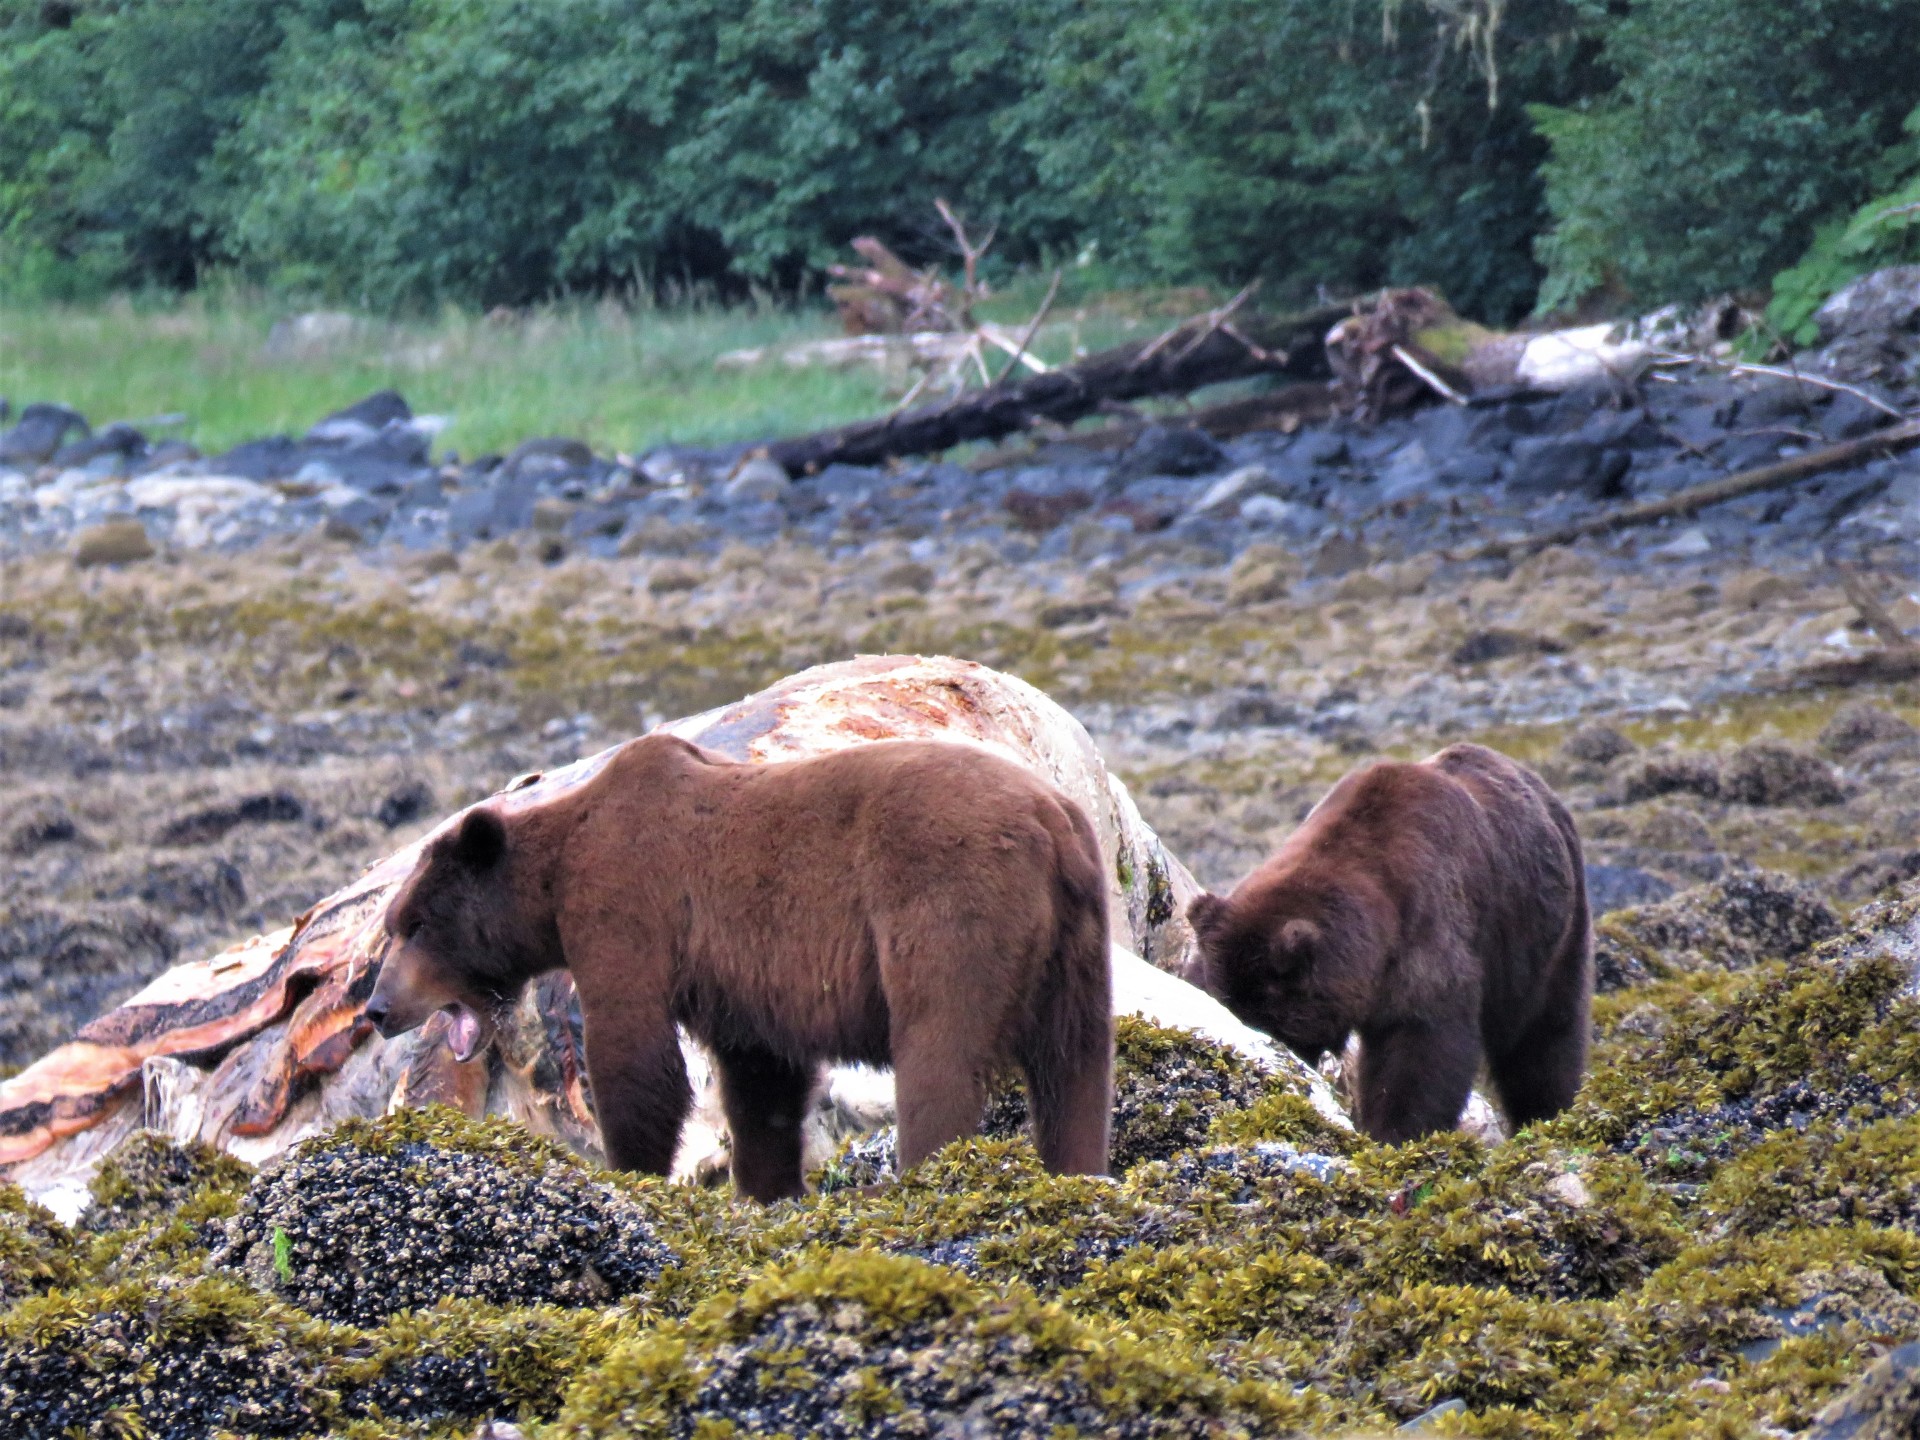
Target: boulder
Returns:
[[41, 430], [112, 542]]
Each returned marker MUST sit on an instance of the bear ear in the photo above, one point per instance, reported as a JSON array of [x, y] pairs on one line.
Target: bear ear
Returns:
[[481, 840], [1297, 939], [1207, 914]]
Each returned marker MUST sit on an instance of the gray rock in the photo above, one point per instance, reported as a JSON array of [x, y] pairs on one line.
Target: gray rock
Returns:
[[1170, 450], [363, 419], [1885, 300], [1227, 494], [1616, 887], [1850, 416], [757, 482], [1549, 464], [1884, 1402], [39, 434], [116, 440]]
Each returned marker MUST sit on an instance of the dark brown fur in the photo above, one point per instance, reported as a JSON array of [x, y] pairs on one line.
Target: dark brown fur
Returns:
[[1438, 909], [925, 905]]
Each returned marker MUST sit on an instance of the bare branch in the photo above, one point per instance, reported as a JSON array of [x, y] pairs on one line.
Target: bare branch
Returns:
[[1033, 328]]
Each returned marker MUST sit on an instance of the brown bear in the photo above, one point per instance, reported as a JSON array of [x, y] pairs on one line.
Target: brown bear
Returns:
[[1437, 909], [922, 904]]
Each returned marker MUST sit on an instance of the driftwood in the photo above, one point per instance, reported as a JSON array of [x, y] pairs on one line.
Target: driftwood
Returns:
[[1713, 492], [1223, 345]]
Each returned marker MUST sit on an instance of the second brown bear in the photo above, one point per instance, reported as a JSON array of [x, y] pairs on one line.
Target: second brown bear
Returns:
[[1439, 911]]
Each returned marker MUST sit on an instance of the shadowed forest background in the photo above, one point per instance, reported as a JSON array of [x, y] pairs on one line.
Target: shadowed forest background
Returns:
[[406, 154]]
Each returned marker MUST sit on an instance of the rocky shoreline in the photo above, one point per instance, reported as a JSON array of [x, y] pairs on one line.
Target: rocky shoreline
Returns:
[[301, 665]]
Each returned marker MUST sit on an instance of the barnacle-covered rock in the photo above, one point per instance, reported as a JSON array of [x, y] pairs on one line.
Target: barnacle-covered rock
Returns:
[[164, 1359], [1750, 916], [1169, 1088], [1769, 773], [869, 1346], [384, 1216], [36, 1250], [150, 1177]]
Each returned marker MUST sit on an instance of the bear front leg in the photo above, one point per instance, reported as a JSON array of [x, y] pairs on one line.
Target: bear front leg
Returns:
[[765, 1098], [1415, 1077], [640, 1090]]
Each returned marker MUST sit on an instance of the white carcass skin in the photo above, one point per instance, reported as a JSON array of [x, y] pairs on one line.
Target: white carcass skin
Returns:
[[265, 1044]]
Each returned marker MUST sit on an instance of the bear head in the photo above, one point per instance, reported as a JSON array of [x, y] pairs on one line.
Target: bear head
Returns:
[[459, 937], [1294, 959]]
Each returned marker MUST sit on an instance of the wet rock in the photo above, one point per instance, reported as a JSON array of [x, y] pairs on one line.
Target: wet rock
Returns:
[[1598, 745], [1549, 464], [210, 887], [368, 1221], [274, 458], [1769, 773], [203, 827], [1730, 924], [39, 823], [189, 1357], [757, 482], [875, 1347], [113, 542], [1170, 450], [1482, 646], [39, 433], [1620, 887], [1667, 775], [118, 439], [1259, 574], [149, 1177], [548, 457], [1886, 300], [405, 803], [1855, 727], [1883, 1404], [60, 968], [1253, 707], [363, 419]]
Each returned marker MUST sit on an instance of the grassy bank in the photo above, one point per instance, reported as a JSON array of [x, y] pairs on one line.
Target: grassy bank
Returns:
[[620, 379]]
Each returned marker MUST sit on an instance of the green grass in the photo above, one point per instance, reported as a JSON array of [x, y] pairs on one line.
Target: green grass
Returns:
[[622, 380]]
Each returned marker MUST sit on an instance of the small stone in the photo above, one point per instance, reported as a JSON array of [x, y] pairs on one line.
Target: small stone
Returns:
[[1230, 492], [1570, 1189], [757, 481], [1170, 450], [907, 575], [113, 542], [1260, 574], [670, 578], [1750, 589], [1684, 546], [550, 517], [1338, 554]]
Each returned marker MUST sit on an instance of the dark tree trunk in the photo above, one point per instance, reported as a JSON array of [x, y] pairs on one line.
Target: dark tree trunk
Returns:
[[1198, 353]]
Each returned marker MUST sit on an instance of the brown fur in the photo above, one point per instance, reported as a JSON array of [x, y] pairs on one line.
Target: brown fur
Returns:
[[925, 905], [1439, 909]]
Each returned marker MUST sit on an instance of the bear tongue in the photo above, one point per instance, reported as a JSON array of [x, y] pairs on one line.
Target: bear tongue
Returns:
[[463, 1032]]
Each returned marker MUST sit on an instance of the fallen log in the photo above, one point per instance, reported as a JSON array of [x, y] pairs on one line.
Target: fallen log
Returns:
[[1698, 497], [1204, 351]]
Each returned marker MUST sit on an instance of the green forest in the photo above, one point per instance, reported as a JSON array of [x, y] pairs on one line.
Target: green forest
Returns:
[[1576, 156]]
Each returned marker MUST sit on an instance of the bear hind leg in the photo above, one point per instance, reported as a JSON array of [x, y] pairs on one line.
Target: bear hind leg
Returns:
[[765, 1097], [1415, 1078], [940, 1093], [1540, 1073]]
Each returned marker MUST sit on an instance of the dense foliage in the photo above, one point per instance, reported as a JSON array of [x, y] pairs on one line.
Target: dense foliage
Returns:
[[408, 152]]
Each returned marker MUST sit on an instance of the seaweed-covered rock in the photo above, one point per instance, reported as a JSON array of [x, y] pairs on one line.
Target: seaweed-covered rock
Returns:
[[1769, 773], [1856, 727], [1687, 1145], [1750, 916], [377, 1218], [36, 1250], [867, 1346], [1883, 1404], [149, 1177], [1655, 775], [165, 1359], [1169, 1086]]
